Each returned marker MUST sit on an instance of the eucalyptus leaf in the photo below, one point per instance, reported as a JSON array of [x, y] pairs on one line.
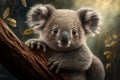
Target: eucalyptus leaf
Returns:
[[108, 66], [28, 31], [24, 3], [12, 22], [107, 53], [112, 44], [6, 13]]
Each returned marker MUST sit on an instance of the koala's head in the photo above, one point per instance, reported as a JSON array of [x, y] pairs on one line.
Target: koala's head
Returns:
[[62, 29]]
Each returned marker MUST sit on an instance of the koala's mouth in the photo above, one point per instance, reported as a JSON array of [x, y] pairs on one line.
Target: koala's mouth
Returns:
[[64, 44]]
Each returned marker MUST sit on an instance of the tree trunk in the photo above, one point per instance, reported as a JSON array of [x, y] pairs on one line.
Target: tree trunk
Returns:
[[20, 61]]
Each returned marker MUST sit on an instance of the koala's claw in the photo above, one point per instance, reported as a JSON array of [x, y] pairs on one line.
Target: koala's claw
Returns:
[[51, 61], [36, 44], [41, 46], [30, 43], [54, 64]]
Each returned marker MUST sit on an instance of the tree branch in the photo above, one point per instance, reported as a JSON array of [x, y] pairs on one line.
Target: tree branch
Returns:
[[19, 60]]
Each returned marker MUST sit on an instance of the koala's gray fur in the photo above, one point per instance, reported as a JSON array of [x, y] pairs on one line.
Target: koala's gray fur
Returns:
[[62, 34]]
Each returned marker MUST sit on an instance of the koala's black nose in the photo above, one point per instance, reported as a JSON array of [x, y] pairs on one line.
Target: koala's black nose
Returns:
[[64, 37]]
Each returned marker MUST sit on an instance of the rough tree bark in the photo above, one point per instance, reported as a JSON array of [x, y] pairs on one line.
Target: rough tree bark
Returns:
[[20, 61]]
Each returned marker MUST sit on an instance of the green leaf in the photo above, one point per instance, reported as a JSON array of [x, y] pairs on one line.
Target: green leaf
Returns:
[[28, 31], [6, 13], [24, 3], [112, 44], [12, 22], [108, 55], [108, 66]]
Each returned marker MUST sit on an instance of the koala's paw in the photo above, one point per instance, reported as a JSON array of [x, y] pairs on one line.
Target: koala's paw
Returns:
[[55, 64], [34, 44]]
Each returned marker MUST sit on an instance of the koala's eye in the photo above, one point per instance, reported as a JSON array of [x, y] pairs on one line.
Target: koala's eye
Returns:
[[54, 31], [75, 33]]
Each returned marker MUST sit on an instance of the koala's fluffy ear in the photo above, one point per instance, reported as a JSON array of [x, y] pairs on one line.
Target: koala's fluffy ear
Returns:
[[38, 15], [90, 21]]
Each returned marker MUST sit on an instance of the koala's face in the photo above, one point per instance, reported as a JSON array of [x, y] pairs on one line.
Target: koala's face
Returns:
[[62, 29]]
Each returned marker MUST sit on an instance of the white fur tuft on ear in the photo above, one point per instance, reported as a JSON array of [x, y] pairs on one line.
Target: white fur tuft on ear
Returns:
[[90, 20], [36, 16]]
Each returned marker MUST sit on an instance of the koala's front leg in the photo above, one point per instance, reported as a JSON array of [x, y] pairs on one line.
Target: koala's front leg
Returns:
[[36, 44], [56, 63], [61, 63]]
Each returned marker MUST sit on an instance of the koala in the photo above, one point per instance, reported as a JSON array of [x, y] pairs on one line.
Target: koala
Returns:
[[62, 34]]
